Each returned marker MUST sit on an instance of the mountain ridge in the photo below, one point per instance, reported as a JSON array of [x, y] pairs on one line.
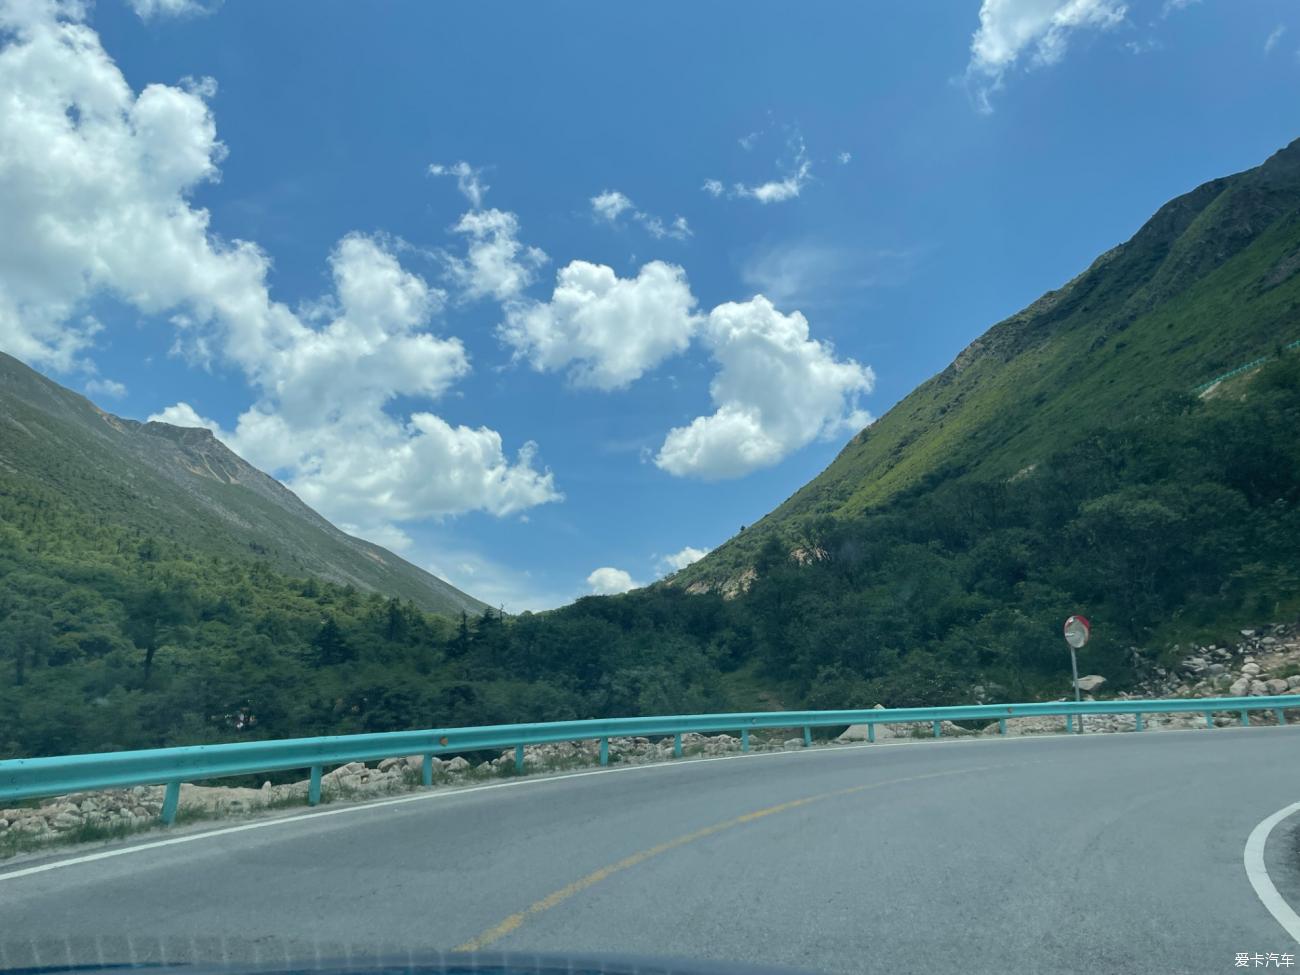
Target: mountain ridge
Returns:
[[1209, 281], [184, 480]]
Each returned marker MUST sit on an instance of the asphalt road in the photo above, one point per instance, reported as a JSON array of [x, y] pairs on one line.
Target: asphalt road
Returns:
[[1105, 854]]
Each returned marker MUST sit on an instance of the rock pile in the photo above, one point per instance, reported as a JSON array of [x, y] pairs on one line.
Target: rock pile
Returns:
[[1266, 661]]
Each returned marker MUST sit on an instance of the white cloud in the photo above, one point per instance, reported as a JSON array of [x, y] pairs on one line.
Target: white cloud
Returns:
[[777, 390], [607, 330], [148, 9], [94, 188], [747, 141], [1173, 6], [1010, 29], [468, 180], [183, 415], [1274, 36], [106, 387], [611, 204], [780, 190], [680, 560], [607, 581], [845, 158], [713, 187], [93, 180], [496, 263]]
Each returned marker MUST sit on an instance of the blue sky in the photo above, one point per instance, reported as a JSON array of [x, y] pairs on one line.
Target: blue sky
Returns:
[[383, 249]]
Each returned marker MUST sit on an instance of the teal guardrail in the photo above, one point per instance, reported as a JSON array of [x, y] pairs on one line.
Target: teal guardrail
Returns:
[[24, 778], [1253, 364]]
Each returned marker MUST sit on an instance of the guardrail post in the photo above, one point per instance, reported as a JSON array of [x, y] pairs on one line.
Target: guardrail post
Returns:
[[1069, 723], [1137, 720], [871, 731], [1209, 719], [677, 745], [171, 799], [807, 737], [426, 771], [313, 787], [1281, 718], [744, 739], [1245, 719], [937, 729], [519, 758], [1002, 726], [604, 751]]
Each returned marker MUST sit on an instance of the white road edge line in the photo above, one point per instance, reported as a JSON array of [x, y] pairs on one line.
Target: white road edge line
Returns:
[[1257, 873], [380, 803]]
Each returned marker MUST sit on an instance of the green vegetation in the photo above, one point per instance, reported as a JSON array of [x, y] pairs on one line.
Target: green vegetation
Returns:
[[1212, 281], [155, 590], [1184, 520], [183, 485]]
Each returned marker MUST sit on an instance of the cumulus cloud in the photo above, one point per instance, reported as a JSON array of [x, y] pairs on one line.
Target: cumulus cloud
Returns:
[[680, 560], [1034, 30], [776, 391], [714, 187], [605, 330], [105, 387], [1274, 36], [607, 581], [183, 415], [496, 264], [845, 158], [468, 180], [611, 204], [322, 416], [95, 183]]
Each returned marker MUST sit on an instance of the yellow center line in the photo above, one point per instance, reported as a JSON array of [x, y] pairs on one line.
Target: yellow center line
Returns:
[[554, 899]]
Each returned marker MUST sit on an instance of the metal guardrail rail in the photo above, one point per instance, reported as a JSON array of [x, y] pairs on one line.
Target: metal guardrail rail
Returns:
[[1253, 364], [24, 778]]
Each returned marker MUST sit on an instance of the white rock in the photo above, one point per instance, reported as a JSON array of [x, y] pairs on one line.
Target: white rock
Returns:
[[1240, 687], [792, 743], [1251, 669], [1091, 682], [1258, 688], [457, 764], [1293, 681], [1277, 686], [389, 763]]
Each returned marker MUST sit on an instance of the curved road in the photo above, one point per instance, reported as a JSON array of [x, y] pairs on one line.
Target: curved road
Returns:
[[1107, 853]]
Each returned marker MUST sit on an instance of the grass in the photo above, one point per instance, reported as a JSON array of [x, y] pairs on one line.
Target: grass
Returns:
[[1157, 315]]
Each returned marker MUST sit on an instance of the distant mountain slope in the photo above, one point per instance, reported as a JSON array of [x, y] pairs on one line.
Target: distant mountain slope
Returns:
[[1211, 281], [185, 484]]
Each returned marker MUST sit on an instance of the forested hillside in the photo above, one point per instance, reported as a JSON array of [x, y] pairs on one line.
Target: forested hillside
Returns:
[[182, 484], [155, 590], [1183, 521], [1211, 281]]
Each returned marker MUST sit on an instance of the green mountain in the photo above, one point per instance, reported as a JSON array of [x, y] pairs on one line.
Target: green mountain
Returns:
[[1211, 281], [184, 486], [154, 590]]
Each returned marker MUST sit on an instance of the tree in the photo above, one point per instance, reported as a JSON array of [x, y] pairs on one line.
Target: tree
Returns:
[[330, 645], [25, 637]]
